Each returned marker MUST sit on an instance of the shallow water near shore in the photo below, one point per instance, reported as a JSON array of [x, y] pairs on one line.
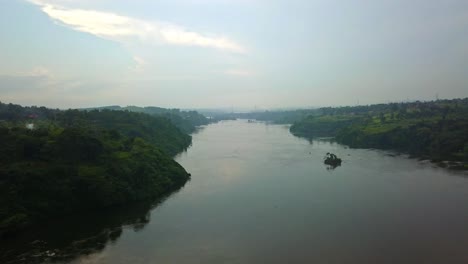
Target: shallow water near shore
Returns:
[[261, 195]]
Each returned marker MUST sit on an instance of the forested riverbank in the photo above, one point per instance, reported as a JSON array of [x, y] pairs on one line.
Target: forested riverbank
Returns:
[[55, 162], [435, 130], [186, 121]]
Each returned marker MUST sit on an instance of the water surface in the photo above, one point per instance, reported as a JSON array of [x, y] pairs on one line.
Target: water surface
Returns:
[[260, 195]]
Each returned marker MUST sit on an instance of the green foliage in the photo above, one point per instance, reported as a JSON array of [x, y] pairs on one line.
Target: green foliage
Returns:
[[186, 121], [321, 126], [434, 130], [83, 161], [155, 129]]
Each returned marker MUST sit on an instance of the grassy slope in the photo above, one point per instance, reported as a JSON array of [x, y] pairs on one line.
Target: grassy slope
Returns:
[[433, 130]]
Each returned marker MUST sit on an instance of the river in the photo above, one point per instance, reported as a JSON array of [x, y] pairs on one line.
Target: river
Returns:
[[260, 195]]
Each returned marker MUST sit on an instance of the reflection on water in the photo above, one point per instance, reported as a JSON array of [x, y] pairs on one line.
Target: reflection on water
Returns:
[[62, 240], [332, 167]]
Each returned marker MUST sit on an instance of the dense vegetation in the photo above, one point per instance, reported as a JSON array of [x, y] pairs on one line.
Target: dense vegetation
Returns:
[[64, 239], [187, 121], [58, 162], [435, 130]]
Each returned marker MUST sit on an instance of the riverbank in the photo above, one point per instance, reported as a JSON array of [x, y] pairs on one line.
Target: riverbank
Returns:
[[65, 162], [437, 131], [248, 179]]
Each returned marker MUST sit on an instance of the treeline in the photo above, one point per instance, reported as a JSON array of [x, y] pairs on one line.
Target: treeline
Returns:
[[276, 117], [187, 121], [56, 162], [436, 130]]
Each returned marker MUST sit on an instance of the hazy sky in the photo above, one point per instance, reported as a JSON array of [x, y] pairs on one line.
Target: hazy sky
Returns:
[[241, 53]]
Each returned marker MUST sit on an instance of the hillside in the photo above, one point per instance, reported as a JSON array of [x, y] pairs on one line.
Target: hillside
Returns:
[[435, 130], [187, 121], [59, 162]]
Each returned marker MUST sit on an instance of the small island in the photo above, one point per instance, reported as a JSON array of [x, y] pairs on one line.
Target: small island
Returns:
[[332, 160]]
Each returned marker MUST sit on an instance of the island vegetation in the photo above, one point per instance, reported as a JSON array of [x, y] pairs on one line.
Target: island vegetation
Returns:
[[54, 162], [332, 160], [435, 130]]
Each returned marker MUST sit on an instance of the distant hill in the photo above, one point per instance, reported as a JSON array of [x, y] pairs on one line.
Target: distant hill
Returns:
[[187, 121], [273, 116]]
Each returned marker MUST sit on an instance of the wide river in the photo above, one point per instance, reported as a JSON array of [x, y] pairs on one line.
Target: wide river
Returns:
[[260, 195]]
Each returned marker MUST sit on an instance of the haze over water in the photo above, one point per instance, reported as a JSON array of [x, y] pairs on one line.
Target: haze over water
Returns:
[[260, 195]]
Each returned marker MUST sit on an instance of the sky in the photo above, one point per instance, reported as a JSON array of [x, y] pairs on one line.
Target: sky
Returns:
[[258, 54]]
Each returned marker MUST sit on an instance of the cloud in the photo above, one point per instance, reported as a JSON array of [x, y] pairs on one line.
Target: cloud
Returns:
[[39, 71], [15, 84], [40, 86], [30, 81], [139, 64], [121, 28]]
